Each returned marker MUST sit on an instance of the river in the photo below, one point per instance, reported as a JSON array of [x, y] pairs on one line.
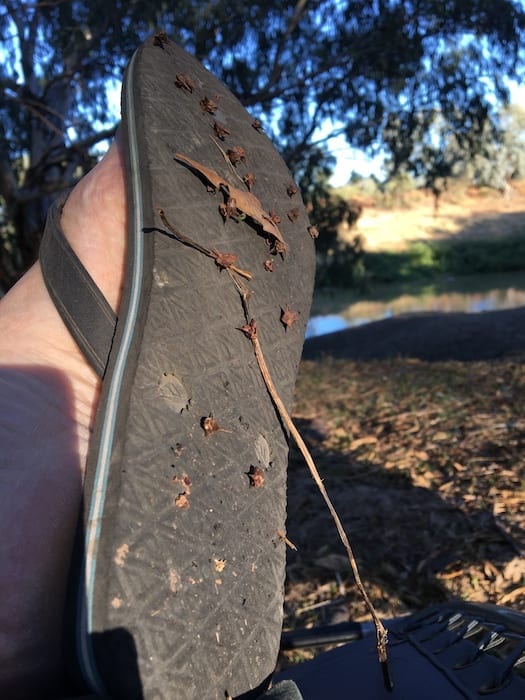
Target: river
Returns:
[[333, 311]]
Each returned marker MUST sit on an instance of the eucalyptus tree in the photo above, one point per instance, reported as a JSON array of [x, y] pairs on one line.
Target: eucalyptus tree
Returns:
[[383, 72]]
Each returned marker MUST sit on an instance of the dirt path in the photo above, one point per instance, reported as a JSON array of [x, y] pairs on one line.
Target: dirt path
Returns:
[[462, 214], [431, 337], [417, 425]]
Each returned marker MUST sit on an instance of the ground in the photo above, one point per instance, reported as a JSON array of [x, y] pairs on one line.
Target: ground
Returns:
[[417, 426], [425, 462], [463, 212]]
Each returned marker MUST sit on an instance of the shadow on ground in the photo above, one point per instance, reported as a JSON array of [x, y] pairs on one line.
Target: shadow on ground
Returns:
[[408, 540], [429, 336], [457, 426]]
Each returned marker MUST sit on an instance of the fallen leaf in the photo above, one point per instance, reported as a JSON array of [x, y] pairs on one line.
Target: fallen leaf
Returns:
[[515, 570], [229, 210], [509, 597], [184, 81], [210, 175], [246, 202], [366, 440], [490, 570]]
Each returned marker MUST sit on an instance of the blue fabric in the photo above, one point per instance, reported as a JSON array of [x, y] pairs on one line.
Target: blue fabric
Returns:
[[285, 690]]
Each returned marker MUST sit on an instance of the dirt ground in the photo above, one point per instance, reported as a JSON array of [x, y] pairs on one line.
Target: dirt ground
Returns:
[[417, 425], [428, 336], [461, 213], [425, 463]]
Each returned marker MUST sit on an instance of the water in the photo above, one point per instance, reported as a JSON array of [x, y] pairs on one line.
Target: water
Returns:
[[334, 312]]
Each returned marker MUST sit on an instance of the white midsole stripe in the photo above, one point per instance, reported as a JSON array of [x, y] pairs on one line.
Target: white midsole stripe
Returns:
[[92, 534]]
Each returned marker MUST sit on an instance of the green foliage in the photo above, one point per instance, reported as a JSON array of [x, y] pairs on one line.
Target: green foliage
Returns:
[[361, 189], [501, 160], [343, 267], [424, 261], [337, 262], [400, 75], [396, 186]]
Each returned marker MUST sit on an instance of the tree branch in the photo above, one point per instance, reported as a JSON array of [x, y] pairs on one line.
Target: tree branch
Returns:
[[292, 24]]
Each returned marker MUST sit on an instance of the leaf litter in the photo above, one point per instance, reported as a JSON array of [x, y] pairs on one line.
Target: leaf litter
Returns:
[[426, 466], [245, 202]]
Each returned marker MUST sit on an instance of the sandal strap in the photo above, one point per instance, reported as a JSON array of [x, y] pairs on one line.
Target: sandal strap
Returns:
[[80, 303]]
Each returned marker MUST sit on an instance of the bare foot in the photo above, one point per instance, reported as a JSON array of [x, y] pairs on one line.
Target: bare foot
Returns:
[[48, 396]]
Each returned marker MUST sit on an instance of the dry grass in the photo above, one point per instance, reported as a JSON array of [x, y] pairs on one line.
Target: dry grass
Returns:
[[426, 465], [463, 212]]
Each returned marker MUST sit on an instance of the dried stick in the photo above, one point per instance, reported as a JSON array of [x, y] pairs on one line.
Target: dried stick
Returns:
[[223, 260], [228, 161], [250, 330]]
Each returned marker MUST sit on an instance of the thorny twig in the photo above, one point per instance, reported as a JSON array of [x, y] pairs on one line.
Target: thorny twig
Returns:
[[223, 260], [250, 330], [280, 534]]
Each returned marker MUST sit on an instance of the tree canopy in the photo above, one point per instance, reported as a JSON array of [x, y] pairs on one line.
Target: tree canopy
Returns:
[[399, 75]]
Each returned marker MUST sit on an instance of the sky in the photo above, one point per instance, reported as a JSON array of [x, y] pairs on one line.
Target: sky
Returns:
[[351, 159], [347, 159]]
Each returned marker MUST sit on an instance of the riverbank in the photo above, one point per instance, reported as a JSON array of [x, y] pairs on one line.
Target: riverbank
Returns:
[[431, 336], [474, 231], [464, 213]]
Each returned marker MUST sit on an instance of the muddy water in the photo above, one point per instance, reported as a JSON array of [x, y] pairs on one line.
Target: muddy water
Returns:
[[339, 310]]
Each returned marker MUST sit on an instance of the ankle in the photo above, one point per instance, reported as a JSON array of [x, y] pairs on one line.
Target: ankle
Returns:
[[94, 222]]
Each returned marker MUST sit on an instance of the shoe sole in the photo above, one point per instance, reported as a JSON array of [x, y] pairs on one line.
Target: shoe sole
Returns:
[[180, 589]]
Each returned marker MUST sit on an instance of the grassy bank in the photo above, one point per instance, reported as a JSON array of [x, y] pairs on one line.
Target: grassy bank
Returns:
[[474, 232], [426, 465], [424, 259]]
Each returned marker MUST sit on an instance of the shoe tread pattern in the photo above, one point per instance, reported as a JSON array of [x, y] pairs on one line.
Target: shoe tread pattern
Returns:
[[200, 588]]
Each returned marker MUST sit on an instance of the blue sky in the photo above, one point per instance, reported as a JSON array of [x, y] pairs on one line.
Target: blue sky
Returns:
[[349, 159]]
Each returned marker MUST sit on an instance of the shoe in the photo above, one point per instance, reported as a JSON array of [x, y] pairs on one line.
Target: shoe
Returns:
[[177, 580], [454, 650]]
